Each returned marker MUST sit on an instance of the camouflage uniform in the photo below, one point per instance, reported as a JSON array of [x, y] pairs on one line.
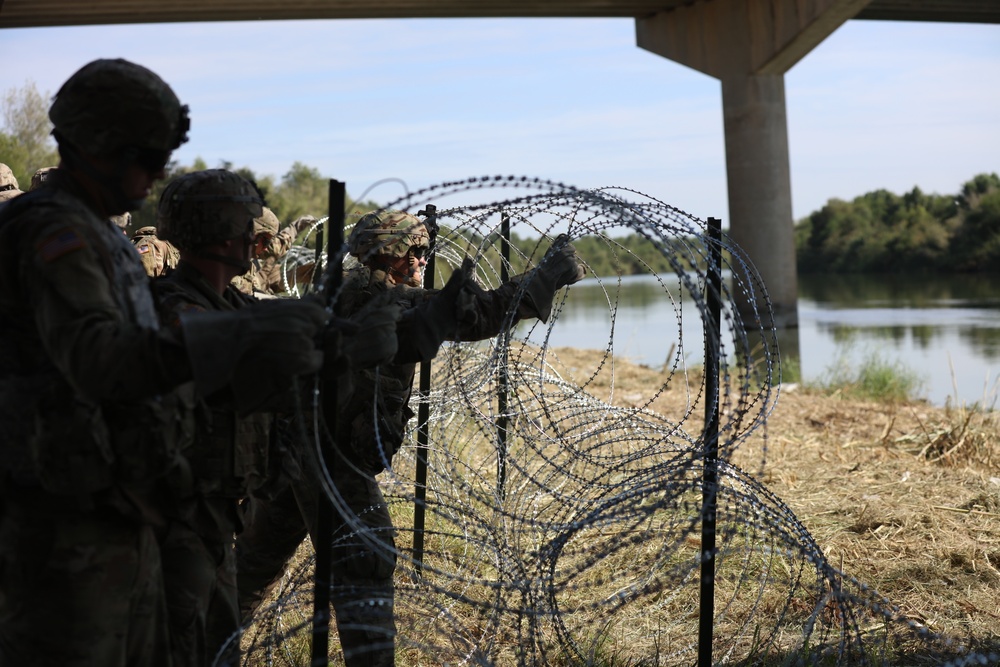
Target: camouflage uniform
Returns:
[[362, 588], [272, 277], [158, 257], [94, 396], [275, 244], [8, 184], [228, 456], [88, 431], [231, 455]]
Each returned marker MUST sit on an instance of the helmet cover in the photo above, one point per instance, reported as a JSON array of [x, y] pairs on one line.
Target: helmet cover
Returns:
[[266, 223], [207, 207], [387, 233], [111, 106], [7, 179]]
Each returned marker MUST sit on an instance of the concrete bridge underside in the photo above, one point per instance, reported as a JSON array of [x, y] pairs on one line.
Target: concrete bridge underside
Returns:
[[747, 45]]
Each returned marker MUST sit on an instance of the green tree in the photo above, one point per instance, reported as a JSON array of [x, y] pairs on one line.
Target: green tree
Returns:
[[975, 245], [25, 142]]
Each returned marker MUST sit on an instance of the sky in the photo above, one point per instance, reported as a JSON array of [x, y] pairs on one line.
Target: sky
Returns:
[[877, 105]]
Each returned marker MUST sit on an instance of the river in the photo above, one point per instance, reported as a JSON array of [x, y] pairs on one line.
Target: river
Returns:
[[945, 329]]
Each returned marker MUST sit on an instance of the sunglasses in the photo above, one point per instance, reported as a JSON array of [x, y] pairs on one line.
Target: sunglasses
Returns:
[[152, 160], [418, 252]]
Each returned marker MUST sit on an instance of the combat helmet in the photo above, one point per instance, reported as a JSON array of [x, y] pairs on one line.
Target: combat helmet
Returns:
[[387, 233], [7, 179], [111, 107], [266, 223], [207, 207]]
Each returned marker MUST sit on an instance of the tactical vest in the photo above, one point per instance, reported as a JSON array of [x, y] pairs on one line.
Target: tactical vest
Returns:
[[231, 455], [51, 436]]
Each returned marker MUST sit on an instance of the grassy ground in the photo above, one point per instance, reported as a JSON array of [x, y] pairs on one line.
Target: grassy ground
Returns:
[[902, 496]]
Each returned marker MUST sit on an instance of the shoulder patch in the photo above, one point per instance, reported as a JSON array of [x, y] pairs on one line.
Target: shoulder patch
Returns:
[[60, 243], [142, 249]]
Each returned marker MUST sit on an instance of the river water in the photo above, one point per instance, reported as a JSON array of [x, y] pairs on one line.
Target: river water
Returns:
[[945, 329]]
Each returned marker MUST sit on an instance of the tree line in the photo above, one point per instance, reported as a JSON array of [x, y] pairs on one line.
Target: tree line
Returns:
[[876, 232], [881, 232]]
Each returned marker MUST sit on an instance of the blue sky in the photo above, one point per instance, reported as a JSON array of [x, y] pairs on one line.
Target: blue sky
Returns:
[[877, 105]]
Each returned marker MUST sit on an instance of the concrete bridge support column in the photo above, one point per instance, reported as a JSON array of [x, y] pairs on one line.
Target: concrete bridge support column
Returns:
[[749, 45], [760, 191]]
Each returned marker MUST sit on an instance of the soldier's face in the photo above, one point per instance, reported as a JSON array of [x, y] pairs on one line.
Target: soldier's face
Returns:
[[137, 181], [409, 269]]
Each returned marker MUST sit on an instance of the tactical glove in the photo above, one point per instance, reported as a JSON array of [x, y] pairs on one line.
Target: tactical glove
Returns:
[[365, 340], [423, 328], [304, 222], [271, 341], [560, 266]]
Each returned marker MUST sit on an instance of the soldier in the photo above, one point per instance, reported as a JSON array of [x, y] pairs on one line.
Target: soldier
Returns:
[[265, 228], [158, 257], [8, 184], [272, 276], [214, 218], [392, 247], [39, 178], [240, 437], [264, 276], [94, 396]]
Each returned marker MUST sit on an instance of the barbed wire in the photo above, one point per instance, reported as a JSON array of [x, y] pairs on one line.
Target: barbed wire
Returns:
[[587, 551]]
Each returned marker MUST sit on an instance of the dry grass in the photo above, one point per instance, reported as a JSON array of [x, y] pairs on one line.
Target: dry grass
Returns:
[[904, 497]]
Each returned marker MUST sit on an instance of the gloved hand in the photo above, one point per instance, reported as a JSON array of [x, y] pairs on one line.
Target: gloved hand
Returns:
[[366, 339], [274, 339], [560, 266], [304, 222], [423, 328]]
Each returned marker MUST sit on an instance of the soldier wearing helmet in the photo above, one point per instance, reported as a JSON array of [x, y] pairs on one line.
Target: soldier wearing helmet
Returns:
[[95, 396], [392, 248], [267, 275], [159, 257], [265, 229], [8, 184], [219, 222]]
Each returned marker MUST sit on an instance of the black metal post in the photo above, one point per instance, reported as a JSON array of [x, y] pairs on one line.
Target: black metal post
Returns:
[[423, 417], [328, 405], [503, 383], [710, 440]]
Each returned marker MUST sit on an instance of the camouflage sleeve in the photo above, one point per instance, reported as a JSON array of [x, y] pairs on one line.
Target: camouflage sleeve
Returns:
[[282, 242], [80, 325], [481, 313]]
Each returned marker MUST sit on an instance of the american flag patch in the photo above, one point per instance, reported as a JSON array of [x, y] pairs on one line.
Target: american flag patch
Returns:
[[60, 243], [143, 249]]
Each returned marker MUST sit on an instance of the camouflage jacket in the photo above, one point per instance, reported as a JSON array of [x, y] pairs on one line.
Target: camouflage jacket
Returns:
[[158, 257], [87, 378], [231, 454], [265, 275]]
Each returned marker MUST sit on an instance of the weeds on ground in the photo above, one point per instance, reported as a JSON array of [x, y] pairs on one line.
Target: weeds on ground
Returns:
[[875, 378]]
